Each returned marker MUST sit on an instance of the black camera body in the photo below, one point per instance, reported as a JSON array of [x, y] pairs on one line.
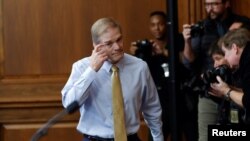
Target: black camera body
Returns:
[[144, 50], [201, 85], [210, 75], [197, 29]]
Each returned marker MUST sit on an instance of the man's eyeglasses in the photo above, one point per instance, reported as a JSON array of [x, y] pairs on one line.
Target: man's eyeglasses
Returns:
[[212, 4]]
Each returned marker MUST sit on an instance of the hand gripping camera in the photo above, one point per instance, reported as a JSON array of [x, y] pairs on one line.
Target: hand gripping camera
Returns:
[[144, 50], [197, 29], [201, 85], [210, 75]]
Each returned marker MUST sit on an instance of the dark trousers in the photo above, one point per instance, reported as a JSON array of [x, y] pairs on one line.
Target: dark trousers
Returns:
[[133, 137]]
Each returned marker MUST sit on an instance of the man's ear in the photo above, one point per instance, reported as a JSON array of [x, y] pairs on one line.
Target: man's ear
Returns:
[[235, 48]]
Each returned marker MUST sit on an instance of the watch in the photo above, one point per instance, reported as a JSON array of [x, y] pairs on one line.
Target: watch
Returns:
[[227, 96]]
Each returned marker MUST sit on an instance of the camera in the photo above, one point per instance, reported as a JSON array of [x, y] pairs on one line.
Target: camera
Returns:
[[144, 50], [201, 85], [197, 29], [210, 75]]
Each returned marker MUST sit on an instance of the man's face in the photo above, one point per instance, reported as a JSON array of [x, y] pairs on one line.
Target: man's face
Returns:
[[157, 27], [219, 60], [113, 41], [215, 8], [231, 56]]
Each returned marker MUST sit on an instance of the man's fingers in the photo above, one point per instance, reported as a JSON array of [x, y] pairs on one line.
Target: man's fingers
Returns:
[[219, 79], [99, 47]]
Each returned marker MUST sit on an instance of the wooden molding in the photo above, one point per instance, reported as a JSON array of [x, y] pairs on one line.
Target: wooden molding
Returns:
[[1, 40]]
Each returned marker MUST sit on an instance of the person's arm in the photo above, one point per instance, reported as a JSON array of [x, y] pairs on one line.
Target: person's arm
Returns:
[[151, 108], [235, 96], [82, 75], [76, 87], [223, 90], [188, 52]]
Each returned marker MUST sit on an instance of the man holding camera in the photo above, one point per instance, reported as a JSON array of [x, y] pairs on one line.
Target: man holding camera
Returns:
[[158, 29], [195, 53], [236, 46], [155, 53]]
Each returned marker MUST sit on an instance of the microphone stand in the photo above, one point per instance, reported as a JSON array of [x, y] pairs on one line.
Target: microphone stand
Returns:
[[44, 129]]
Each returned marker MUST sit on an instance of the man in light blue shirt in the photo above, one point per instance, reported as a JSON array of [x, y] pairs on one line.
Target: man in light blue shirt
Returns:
[[90, 85]]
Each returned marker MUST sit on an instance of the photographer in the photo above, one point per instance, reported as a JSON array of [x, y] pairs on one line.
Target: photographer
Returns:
[[220, 68], [228, 112], [158, 29], [155, 53], [236, 46], [198, 39]]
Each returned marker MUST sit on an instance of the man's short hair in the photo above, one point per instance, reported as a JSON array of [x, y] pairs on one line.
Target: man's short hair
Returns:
[[101, 26], [215, 49], [240, 37], [158, 13]]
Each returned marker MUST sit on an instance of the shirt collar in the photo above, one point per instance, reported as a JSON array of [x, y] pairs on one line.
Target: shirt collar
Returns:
[[107, 65]]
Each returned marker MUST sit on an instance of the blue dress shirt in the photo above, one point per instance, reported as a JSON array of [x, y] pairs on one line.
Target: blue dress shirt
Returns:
[[93, 92]]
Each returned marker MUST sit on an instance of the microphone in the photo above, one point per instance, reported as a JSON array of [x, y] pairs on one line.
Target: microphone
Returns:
[[43, 130]]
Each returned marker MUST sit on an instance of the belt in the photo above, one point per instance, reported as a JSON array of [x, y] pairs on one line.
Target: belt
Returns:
[[96, 138]]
